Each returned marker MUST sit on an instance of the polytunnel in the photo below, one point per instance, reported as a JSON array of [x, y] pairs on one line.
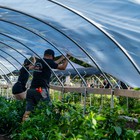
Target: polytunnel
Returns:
[[94, 94], [104, 34]]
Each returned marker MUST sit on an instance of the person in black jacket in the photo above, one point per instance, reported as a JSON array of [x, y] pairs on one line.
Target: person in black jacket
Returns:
[[41, 79], [19, 88]]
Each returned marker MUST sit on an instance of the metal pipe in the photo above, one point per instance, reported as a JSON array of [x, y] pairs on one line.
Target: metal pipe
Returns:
[[16, 61], [50, 44], [30, 50], [62, 34], [100, 29], [16, 51], [7, 69], [9, 62], [57, 49], [5, 75]]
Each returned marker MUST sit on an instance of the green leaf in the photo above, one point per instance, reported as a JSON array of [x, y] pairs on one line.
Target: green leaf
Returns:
[[100, 118], [94, 121], [48, 112], [118, 130], [138, 137], [139, 120]]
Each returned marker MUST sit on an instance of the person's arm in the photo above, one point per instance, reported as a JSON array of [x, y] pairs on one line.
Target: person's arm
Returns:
[[33, 60], [64, 63], [62, 58], [31, 67]]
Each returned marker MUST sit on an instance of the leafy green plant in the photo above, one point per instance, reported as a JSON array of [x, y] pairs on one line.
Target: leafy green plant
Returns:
[[63, 120], [11, 113]]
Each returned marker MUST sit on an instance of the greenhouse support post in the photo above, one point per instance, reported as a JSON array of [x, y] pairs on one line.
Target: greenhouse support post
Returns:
[[112, 98]]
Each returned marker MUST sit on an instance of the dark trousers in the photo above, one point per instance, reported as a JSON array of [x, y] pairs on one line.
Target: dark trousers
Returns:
[[33, 97]]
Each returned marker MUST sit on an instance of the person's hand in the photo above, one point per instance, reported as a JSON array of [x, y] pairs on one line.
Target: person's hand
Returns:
[[31, 67], [68, 56], [62, 57]]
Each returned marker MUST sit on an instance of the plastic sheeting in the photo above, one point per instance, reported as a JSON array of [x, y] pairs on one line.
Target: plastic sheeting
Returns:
[[102, 33]]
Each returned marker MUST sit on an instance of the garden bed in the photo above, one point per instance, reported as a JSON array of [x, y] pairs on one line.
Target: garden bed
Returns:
[[64, 120]]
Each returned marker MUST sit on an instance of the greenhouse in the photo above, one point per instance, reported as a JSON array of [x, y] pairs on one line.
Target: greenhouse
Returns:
[[97, 95]]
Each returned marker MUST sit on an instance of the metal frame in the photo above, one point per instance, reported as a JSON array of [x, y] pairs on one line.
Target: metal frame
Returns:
[[7, 69], [102, 30], [62, 34], [9, 62], [16, 61], [15, 50]]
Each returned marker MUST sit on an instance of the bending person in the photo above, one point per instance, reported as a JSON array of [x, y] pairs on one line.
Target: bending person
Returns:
[[41, 78], [19, 88]]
